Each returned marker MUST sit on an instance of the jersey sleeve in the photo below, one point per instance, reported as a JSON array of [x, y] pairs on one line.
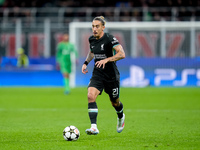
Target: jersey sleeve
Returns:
[[74, 50], [113, 40], [90, 40]]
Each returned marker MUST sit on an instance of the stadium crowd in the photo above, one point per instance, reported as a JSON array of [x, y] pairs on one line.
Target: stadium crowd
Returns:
[[186, 9], [99, 3]]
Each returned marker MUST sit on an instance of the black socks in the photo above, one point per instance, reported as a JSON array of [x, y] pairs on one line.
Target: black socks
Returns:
[[119, 110], [93, 111]]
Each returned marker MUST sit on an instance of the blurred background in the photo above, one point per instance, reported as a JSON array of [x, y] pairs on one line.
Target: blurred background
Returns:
[[161, 40]]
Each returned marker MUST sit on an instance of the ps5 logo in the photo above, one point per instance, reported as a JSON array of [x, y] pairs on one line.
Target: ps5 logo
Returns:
[[171, 75], [162, 77]]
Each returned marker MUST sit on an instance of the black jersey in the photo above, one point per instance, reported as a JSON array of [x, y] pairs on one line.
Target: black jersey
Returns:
[[104, 48]]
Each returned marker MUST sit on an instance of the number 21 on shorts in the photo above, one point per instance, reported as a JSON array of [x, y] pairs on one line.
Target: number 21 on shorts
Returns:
[[115, 92]]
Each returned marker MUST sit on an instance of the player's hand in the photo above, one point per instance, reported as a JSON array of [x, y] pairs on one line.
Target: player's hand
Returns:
[[101, 63], [57, 66], [84, 69]]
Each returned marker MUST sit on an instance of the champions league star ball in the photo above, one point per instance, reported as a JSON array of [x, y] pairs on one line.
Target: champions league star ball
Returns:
[[71, 133]]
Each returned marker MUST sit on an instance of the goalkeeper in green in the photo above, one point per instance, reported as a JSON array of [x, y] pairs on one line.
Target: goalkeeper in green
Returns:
[[63, 59]]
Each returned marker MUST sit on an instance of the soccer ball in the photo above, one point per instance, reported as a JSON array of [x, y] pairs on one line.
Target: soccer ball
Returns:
[[71, 133]]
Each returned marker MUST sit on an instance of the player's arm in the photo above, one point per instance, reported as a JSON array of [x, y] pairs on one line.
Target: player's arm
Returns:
[[58, 53], [89, 57], [58, 56], [120, 54], [26, 60], [74, 50]]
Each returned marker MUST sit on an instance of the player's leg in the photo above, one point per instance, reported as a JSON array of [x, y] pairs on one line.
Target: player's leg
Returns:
[[66, 82], [112, 89], [92, 110], [121, 116], [95, 88], [66, 70]]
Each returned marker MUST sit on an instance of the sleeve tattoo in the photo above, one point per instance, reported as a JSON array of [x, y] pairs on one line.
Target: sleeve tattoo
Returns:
[[119, 55], [89, 57]]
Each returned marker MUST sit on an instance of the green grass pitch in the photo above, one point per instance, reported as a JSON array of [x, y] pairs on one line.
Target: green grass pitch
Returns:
[[156, 118]]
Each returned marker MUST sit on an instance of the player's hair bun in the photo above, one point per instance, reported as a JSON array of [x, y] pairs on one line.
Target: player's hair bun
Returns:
[[100, 18]]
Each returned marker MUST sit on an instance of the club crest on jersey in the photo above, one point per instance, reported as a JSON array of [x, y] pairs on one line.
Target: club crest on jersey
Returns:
[[102, 46]]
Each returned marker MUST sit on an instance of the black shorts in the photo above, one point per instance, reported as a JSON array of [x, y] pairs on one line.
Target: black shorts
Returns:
[[111, 87]]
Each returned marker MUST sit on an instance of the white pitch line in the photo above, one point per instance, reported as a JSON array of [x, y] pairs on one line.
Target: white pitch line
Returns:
[[162, 110], [40, 109], [28, 109], [82, 109]]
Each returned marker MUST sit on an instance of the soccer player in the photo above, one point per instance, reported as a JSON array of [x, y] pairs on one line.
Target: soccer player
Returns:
[[22, 58], [63, 59], [106, 50]]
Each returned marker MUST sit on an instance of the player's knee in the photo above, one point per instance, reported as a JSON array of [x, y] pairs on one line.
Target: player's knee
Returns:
[[91, 97], [115, 103], [65, 75]]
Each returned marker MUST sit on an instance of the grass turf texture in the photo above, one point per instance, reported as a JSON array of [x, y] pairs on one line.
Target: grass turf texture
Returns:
[[156, 118]]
